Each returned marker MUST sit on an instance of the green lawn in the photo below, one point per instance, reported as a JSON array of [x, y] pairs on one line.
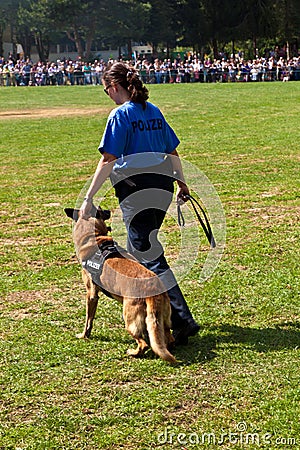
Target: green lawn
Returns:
[[238, 383]]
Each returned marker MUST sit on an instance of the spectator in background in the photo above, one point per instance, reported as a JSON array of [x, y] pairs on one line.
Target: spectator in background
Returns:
[[87, 72], [52, 71], [102, 66], [93, 75], [26, 71], [78, 75], [181, 70], [60, 73], [70, 73]]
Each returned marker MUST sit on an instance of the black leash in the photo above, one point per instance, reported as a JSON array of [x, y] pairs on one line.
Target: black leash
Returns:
[[204, 223]]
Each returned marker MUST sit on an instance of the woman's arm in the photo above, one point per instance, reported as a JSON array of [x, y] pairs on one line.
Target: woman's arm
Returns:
[[102, 172], [182, 188]]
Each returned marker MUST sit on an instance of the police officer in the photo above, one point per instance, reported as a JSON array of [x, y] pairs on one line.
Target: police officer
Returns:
[[138, 149]]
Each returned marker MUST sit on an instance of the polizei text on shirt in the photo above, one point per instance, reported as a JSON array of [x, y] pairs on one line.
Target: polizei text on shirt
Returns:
[[147, 125]]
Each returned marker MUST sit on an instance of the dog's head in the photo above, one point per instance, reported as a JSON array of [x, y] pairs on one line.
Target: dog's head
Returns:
[[97, 213], [87, 233]]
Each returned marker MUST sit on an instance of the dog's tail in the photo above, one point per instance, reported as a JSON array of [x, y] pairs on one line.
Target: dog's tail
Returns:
[[155, 321]]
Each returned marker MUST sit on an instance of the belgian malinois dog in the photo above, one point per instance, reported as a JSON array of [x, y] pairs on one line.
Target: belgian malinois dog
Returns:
[[146, 307]]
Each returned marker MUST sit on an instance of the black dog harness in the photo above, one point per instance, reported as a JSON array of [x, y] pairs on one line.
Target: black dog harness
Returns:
[[94, 264]]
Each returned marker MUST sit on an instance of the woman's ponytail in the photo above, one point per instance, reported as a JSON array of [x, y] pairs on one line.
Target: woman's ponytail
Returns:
[[128, 78]]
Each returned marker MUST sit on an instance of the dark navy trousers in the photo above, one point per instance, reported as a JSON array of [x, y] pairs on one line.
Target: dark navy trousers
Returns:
[[144, 200]]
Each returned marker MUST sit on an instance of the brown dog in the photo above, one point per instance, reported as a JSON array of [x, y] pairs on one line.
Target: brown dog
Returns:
[[146, 307]]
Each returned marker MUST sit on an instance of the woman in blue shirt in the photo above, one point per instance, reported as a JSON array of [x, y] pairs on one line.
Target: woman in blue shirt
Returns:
[[135, 147]]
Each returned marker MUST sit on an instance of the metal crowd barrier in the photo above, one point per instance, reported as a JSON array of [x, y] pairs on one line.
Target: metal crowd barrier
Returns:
[[150, 77]]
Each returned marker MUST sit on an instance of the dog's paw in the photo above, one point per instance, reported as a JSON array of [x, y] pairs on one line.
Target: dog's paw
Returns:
[[136, 353], [82, 336]]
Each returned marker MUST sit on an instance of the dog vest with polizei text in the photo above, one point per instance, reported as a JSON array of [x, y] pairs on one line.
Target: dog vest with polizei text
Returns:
[[94, 264]]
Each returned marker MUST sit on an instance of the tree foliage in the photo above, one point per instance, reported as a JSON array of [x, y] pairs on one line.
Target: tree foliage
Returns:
[[79, 20], [8, 20], [163, 23], [164, 26], [126, 21], [34, 16]]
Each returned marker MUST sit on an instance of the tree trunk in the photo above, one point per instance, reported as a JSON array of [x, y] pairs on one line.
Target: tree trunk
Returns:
[[215, 47], [13, 39], [154, 50], [202, 52], [43, 49], [254, 48], [77, 40], [1, 40], [78, 43], [89, 39], [168, 50], [129, 47], [40, 51], [26, 44]]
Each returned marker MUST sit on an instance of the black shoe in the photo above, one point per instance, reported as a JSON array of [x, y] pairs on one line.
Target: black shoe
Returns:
[[181, 335]]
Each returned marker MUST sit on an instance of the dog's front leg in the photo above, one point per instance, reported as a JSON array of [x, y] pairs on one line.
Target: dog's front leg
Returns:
[[91, 305]]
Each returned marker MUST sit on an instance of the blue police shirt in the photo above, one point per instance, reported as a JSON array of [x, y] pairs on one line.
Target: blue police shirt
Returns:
[[131, 131]]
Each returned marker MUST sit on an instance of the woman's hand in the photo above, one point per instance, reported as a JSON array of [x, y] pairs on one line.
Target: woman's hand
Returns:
[[182, 193], [86, 208]]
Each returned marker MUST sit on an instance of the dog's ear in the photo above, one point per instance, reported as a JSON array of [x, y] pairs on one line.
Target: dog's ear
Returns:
[[96, 212], [106, 214], [103, 214], [72, 213]]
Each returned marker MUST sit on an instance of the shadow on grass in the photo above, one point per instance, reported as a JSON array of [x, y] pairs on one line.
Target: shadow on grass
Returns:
[[204, 348], [208, 345]]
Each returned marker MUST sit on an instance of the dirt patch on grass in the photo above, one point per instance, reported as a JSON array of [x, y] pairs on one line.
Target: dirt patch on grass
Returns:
[[274, 215], [26, 304], [43, 113]]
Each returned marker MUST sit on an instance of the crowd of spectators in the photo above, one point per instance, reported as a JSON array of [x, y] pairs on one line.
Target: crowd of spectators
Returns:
[[189, 68]]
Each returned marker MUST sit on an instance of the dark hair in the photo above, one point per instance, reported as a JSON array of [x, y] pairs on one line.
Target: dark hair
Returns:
[[127, 77]]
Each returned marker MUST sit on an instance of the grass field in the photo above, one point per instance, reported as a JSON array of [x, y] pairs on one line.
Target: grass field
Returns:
[[238, 383]]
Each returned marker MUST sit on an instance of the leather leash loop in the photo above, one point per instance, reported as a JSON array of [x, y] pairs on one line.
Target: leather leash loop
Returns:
[[180, 218], [204, 223]]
